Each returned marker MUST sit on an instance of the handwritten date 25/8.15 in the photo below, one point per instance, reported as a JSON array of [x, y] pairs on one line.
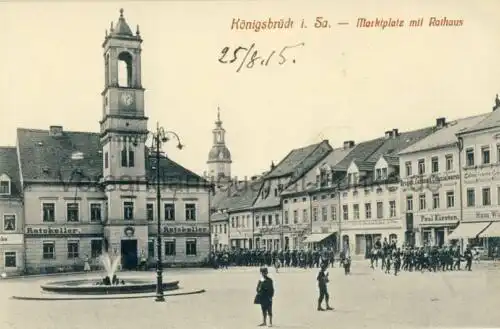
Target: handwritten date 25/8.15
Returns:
[[250, 57]]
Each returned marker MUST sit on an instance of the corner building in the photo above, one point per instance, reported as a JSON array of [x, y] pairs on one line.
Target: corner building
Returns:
[[85, 193]]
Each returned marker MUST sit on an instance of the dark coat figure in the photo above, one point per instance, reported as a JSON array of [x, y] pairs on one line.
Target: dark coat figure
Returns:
[[323, 288], [264, 297], [468, 259], [397, 261], [347, 265]]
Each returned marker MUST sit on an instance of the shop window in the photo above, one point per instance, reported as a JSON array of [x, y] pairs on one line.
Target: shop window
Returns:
[[191, 247], [170, 248], [10, 259], [151, 248], [48, 250]]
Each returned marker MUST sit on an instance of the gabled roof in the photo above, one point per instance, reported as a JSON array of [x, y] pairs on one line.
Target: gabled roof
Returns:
[[51, 159], [300, 160], [364, 165], [360, 152], [445, 136], [237, 196], [490, 120], [391, 160], [10, 167]]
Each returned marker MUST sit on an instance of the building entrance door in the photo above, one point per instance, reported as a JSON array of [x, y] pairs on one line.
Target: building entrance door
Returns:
[[439, 237], [129, 254]]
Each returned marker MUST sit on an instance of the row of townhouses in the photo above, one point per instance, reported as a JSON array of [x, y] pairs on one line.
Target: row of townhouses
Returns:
[[430, 186], [66, 196]]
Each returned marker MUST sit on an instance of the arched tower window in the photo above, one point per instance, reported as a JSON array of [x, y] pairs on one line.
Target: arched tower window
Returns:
[[106, 69], [125, 69]]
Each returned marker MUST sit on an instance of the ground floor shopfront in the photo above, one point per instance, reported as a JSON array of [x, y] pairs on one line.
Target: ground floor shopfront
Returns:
[[359, 237], [11, 253]]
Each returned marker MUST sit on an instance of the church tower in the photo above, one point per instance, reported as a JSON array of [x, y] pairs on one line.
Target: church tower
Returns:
[[219, 157]]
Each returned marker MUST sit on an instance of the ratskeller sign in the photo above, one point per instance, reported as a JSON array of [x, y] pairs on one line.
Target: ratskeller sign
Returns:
[[52, 230]]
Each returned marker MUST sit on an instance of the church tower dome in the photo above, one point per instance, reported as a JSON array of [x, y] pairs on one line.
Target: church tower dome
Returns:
[[219, 157]]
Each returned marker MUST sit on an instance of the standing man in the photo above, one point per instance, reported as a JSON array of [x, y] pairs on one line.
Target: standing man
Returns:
[[323, 289], [468, 258]]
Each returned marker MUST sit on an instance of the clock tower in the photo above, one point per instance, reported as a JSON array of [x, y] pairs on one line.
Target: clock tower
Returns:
[[219, 157], [123, 124]]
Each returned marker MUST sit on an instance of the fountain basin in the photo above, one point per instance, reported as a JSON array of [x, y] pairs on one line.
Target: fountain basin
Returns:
[[90, 287]]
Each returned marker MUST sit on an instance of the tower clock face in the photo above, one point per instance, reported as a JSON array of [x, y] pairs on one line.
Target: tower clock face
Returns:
[[127, 99]]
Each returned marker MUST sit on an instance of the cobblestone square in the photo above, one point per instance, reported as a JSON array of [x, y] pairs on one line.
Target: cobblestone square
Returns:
[[367, 298]]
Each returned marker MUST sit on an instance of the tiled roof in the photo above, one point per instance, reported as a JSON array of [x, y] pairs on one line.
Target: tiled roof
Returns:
[[300, 160], [392, 160], [489, 120], [360, 152], [46, 158], [392, 146], [219, 216], [364, 165], [237, 196], [10, 167], [444, 136]]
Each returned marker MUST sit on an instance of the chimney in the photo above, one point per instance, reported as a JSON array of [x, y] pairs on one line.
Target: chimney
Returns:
[[497, 103], [55, 131], [395, 132], [272, 165], [348, 144], [388, 134], [440, 122]]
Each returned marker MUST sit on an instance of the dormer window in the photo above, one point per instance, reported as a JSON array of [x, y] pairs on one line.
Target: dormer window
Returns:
[[4, 185], [378, 174], [384, 173], [355, 178], [349, 179]]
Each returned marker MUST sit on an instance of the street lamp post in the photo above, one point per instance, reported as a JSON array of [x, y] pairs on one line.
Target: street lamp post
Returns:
[[160, 136]]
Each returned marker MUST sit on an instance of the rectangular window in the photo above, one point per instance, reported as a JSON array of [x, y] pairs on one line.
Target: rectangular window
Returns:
[[49, 250], [150, 211], [408, 168], [471, 197], [73, 249], [368, 210], [106, 160], [48, 212], [333, 212], [498, 153], [257, 221], [4, 187], [384, 173], [324, 213], [270, 220], [450, 199], [421, 167], [486, 196], [225, 228], [95, 212], [449, 162], [305, 218], [435, 164], [95, 248], [190, 211], [422, 203], [380, 210], [345, 212], [286, 217], [9, 223], [191, 247], [409, 203], [498, 195], [72, 212], [315, 214], [485, 152], [295, 216], [378, 174], [124, 157], [392, 209], [128, 210], [170, 248], [10, 259], [469, 157], [355, 211], [151, 248], [277, 219], [169, 211], [435, 201]]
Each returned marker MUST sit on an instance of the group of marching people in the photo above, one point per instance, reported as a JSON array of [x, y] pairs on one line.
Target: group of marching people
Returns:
[[427, 258]]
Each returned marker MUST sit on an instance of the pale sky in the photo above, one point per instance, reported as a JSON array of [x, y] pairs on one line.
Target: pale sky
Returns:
[[348, 83]]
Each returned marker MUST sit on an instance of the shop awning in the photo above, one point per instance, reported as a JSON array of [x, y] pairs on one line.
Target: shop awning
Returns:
[[492, 231], [317, 237], [468, 230]]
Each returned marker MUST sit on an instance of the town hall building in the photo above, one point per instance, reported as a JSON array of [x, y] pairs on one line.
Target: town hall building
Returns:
[[84, 193]]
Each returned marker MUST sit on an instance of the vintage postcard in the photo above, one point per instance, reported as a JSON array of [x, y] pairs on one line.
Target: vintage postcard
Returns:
[[235, 164]]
